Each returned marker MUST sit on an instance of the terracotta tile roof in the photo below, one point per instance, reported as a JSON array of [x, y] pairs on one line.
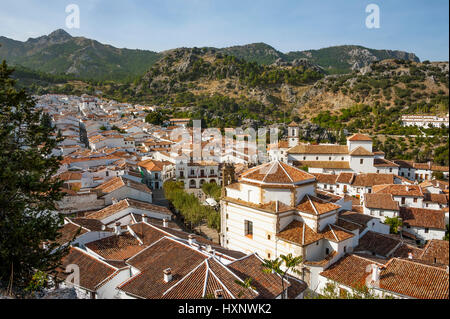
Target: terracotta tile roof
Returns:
[[381, 162], [377, 243], [153, 165], [117, 247], [315, 206], [119, 182], [319, 149], [146, 233], [436, 251], [293, 124], [404, 164], [93, 271], [68, 231], [326, 178], [193, 285], [345, 178], [371, 179], [126, 203], [400, 276], [415, 279], [404, 250], [436, 198], [166, 253], [67, 176], [420, 217], [229, 278], [268, 285], [350, 271], [349, 225], [398, 190], [360, 151], [359, 137], [326, 196], [277, 172], [381, 201], [91, 224], [356, 217], [300, 233]]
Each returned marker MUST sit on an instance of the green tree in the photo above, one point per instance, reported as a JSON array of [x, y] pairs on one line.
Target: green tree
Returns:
[[27, 189], [155, 117], [286, 262], [394, 224]]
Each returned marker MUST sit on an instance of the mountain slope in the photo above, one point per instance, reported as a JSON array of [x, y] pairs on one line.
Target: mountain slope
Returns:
[[345, 58], [60, 53], [409, 87]]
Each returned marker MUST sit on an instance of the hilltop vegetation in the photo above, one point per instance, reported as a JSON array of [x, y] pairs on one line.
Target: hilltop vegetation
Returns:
[[406, 86]]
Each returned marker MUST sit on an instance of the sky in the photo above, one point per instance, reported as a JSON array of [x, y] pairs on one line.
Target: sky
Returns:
[[417, 26]]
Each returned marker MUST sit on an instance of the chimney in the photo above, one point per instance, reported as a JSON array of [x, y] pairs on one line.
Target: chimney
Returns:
[[114, 200], [128, 183], [167, 275], [410, 256], [218, 294], [165, 223], [117, 229], [375, 273], [144, 218], [191, 239]]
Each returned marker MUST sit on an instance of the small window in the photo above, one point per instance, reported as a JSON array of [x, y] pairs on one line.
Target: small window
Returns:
[[415, 200], [317, 243], [327, 251], [345, 249], [426, 230], [226, 216], [361, 161], [268, 255], [248, 229], [268, 237], [342, 158], [329, 158], [390, 170], [304, 158], [317, 158], [403, 200]]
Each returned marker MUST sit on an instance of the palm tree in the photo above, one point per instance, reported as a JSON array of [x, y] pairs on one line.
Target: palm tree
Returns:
[[274, 266]]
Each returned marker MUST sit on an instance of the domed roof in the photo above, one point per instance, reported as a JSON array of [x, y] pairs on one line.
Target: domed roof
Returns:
[[277, 172]]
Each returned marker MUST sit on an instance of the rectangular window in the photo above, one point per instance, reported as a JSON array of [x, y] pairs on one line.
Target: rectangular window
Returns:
[[403, 200], [248, 229], [415, 200], [426, 230], [361, 161], [268, 237]]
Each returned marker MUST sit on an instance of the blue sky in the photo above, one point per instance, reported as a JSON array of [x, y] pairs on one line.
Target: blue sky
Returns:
[[417, 26]]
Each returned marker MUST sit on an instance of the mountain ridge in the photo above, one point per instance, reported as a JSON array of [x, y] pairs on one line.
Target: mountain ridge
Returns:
[[61, 53]]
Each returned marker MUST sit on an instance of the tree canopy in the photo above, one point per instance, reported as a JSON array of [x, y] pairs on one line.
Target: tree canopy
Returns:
[[28, 190]]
